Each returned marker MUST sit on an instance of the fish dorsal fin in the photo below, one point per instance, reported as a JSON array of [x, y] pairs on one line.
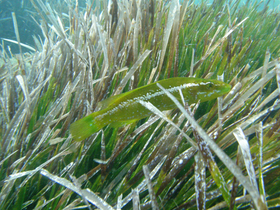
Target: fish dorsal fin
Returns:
[[110, 101]]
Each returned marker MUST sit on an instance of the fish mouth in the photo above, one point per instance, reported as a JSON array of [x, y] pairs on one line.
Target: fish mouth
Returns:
[[223, 87], [227, 88]]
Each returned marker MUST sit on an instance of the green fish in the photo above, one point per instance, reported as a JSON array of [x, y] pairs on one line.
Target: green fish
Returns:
[[125, 108]]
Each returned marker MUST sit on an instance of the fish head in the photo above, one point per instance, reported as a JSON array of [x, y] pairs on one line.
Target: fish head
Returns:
[[210, 89]]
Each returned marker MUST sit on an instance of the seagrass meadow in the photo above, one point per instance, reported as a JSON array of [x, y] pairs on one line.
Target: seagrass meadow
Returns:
[[219, 154]]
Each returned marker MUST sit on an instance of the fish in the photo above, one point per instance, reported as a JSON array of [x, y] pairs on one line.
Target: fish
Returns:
[[125, 108]]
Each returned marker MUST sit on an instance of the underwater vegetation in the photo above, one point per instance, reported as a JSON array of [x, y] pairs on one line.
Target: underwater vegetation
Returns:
[[27, 27], [210, 154]]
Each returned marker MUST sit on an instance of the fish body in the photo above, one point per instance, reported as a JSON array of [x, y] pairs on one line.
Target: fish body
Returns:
[[125, 108]]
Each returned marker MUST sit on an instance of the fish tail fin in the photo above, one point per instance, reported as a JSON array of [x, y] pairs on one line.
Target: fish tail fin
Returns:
[[84, 128]]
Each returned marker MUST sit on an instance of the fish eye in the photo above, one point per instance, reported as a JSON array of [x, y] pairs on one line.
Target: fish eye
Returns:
[[210, 85]]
